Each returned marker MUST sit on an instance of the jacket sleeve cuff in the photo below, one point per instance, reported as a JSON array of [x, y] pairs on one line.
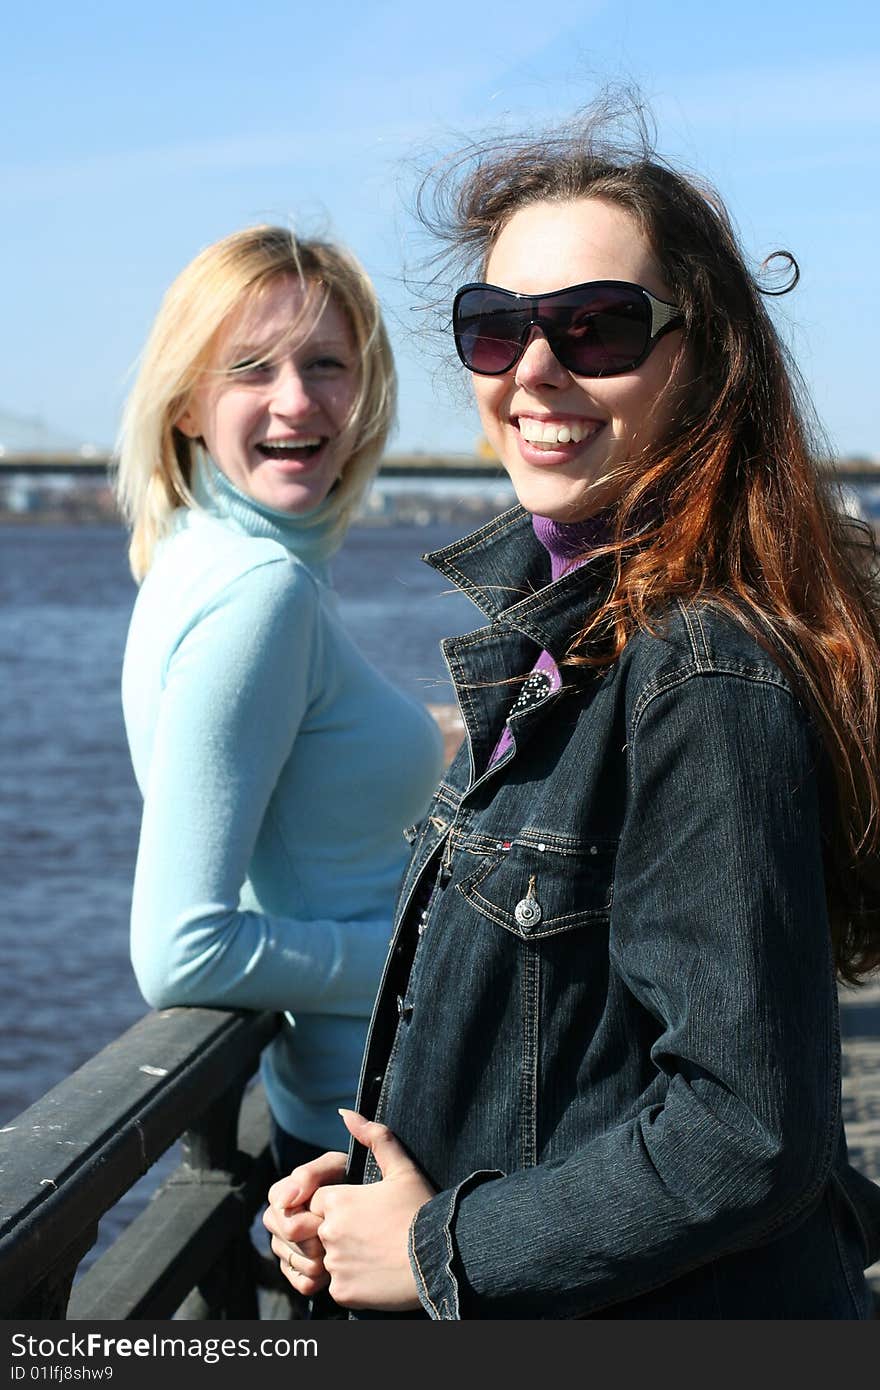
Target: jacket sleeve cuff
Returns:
[[433, 1255]]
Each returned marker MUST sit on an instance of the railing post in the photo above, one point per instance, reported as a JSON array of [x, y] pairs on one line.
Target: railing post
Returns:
[[68, 1159], [49, 1298], [210, 1155]]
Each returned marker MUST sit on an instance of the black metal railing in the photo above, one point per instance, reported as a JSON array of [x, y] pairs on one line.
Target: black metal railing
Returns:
[[185, 1074], [180, 1073]]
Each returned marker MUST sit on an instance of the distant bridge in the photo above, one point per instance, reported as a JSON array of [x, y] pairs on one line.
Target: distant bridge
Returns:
[[89, 462], [31, 445]]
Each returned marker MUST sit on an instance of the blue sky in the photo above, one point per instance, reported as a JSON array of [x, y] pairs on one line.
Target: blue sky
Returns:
[[134, 135]]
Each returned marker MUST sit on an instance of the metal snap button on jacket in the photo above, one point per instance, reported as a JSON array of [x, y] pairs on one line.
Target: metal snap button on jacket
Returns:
[[528, 912]]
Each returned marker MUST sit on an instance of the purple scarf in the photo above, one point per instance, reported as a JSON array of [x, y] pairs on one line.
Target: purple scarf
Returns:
[[568, 543]]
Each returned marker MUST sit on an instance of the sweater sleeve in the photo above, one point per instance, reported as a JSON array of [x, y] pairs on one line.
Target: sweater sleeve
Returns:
[[236, 689], [719, 928]]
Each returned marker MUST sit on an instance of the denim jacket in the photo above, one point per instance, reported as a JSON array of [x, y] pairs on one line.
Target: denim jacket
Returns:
[[607, 1030]]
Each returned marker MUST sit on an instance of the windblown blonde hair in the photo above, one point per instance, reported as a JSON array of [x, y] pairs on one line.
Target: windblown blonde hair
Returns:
[[155, 458]]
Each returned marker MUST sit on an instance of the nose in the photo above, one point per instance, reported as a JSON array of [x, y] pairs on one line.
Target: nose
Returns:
[[539, 365], [291, 394]]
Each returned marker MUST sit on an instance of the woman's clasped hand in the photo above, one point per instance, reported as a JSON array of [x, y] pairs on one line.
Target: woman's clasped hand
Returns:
[[350, 1240]]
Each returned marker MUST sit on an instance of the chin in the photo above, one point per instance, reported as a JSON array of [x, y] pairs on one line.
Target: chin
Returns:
[[294, 501], [548, 502], [563, 499]]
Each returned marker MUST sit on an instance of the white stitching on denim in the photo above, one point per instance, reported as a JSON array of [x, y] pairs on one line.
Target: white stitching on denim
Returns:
[[531, 837], [695, 647], [506, 521], [690, 633], [550, 926], [528, 1105], [699, 617], [415, 1258], [690, 636], [663, 683], [471, 639], [758, 674], [647, 697], [467, 706]]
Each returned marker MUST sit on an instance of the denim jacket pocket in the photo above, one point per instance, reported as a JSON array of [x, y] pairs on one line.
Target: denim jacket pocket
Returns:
[[543, 884]]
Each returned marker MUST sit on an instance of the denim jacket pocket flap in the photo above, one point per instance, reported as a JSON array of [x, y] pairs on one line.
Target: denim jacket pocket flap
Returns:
[[538, 889]]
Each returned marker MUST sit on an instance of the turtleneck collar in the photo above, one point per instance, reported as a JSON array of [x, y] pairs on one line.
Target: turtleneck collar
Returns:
[[570, 542], [310, 536]]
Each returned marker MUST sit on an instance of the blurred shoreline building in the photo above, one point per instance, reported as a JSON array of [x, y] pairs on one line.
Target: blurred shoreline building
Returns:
[[45, 477]]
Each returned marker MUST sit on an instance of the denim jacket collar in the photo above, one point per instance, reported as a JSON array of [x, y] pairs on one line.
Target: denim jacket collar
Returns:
[[504, 560]]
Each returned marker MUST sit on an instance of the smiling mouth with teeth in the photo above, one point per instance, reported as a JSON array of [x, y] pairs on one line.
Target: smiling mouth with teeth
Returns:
[[541, 432], [292, 450]]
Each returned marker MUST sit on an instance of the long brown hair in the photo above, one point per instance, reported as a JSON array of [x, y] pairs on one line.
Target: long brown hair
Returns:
[[731, 506]]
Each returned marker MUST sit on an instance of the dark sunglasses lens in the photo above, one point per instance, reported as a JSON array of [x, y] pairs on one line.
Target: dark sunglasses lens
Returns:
[[599, 333], [487, 331], [599, 330]]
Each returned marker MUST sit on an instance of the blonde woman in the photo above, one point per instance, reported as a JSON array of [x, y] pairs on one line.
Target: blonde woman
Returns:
[[278, 768]]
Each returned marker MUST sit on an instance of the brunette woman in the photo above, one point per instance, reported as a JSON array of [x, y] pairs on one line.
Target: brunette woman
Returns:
[[603, 1076]]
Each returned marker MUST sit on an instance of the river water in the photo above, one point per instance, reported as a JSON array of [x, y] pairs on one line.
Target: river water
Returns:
[[69, 806]]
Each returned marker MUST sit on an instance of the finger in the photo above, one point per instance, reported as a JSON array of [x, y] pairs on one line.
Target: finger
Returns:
[[284, 1193], [299, 1226], [311, 1249], [308, 1245], [306, 1286], [385, 1147], [304, 1283], [295, 1262], [298, 1186], [318, 1204]]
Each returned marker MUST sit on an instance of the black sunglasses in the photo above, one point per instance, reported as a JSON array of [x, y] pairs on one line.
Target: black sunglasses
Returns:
[[601, 328]]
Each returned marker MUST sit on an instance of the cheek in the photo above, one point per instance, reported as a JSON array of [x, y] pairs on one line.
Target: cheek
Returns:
[[235, 414], [337, 400], [215, 429], [489, 394], [344, 406], [642, 404]]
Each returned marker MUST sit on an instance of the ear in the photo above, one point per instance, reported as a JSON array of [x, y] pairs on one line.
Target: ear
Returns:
[[188, 424]]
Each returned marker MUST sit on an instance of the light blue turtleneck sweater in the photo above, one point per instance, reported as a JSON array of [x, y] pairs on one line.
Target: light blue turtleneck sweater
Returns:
[[278, 770]]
